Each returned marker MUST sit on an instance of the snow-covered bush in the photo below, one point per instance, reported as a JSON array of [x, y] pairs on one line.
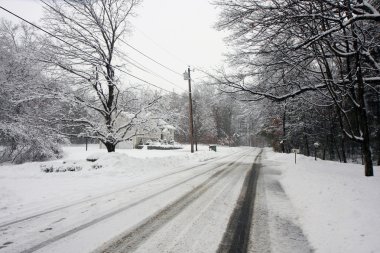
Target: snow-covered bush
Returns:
[[96, 166], [47, 168], [163, 147], [94, 157], [74, 168], [159, 146], [62, 168], [22, 142]]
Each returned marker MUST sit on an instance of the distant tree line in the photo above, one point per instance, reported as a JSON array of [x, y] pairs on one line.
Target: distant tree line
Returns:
[[217, 117]]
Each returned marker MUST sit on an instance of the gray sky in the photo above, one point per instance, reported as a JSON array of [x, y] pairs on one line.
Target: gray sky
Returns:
[[174, 32]]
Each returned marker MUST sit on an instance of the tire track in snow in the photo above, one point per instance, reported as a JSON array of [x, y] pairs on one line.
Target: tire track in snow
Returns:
[[130, 241], [236, 236], [200, 226], [121, 209], [6, 224]]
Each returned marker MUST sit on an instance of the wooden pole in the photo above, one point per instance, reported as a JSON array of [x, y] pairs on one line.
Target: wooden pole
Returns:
[[191, 113]]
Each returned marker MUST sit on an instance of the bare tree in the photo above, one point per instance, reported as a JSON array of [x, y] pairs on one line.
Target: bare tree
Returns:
[[90, 33]]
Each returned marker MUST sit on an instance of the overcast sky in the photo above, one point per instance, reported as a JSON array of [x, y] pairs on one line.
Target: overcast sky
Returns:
[[176, 33]]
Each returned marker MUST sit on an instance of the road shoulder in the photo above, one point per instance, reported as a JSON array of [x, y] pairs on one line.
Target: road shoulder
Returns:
[[275, 226]]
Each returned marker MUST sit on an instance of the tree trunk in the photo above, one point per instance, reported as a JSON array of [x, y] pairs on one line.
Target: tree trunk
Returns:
[[110, 146], [343, 140], [366, 149], [324, 152], [378, 130], [306, 144], [283, 130], [331, 148], [368, 165], [337, 151], [342, 144], [363, 118]]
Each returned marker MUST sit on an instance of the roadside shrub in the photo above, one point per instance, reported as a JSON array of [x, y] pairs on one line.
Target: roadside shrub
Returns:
[[62, 168], [94, 157], [21, 144], [163, 147], [96, 166]]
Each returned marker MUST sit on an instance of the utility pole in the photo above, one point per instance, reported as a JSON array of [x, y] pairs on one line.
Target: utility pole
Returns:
[[195, 139], [248, 134], [187, 76]]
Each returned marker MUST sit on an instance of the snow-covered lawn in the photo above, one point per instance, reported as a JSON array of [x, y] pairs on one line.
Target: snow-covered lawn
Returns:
[[25, 189], [338, 207], [81, 210]]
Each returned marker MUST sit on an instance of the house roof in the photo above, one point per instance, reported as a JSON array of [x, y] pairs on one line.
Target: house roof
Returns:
[[163, 124]]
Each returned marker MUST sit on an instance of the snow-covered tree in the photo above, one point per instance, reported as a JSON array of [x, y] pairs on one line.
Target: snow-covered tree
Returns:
[[90, 34], [26, 100], [287, 49], [215, 115], [205, 129]]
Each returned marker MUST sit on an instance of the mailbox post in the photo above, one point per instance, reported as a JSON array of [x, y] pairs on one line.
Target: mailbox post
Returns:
[[316, 146], [295, 151]]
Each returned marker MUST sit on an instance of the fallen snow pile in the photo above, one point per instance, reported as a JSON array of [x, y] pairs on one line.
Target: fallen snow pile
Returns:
[[337, 205]]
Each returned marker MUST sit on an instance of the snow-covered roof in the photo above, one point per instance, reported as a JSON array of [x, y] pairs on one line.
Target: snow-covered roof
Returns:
[[163, 124]]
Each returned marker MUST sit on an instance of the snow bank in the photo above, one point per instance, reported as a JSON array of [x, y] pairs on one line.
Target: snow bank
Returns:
[[338, 206], [25, 189]]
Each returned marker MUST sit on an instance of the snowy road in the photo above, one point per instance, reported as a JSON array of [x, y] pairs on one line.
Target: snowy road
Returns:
[[187, 210]]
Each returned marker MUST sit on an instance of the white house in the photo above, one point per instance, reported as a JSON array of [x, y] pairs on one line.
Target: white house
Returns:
[[155, 130]]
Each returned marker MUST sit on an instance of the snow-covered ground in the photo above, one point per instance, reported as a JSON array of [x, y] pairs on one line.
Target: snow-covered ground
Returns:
[[337, 206], [66, 211], [312, 205], [25, 189]]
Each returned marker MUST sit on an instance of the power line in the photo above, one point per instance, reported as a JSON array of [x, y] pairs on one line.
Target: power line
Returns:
[[68, 43], [150, 58], [142, 80], [145, 68], [145, 55], [167, 51], [138, 65], [162, 48]]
